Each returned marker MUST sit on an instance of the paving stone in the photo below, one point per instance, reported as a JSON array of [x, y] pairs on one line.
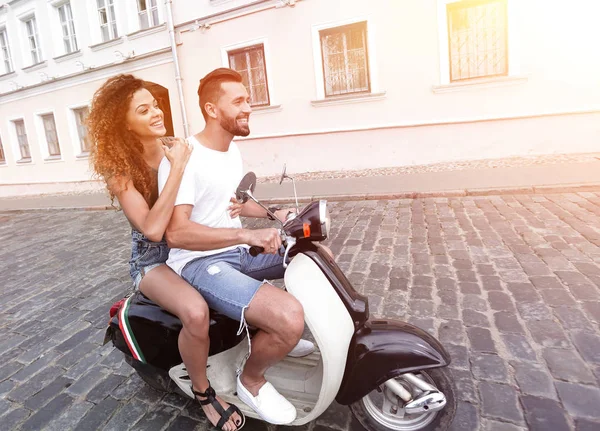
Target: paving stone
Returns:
[[99, 415], [580, 400], [534, 310], [474, 302], [571, 318], [11, 420], [507, 321], [128, 388], [571, 278], [585, 292], [469, 287], [534, 381], [451, 332], [500, 402], [592, 309], [523, 292], [489, 367], [543, 414], [586, 425], [567, 365], [492, 425], [588, 345], [25, 390], [519, 347], [84, 384], [474, 318], [548, 333], [459, 355], [157, 418], [500, 301], [47, 393], [549, 282], [465, 386], [466, 419], [491, 282], [104, 388], [6, 386], [481, 340], [183, 423], [36, 366], [51, 410], [70, 418], [130, 414], [9, 369]]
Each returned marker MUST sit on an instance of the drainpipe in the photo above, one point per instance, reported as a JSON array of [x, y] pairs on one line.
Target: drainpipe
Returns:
[[171, 26]]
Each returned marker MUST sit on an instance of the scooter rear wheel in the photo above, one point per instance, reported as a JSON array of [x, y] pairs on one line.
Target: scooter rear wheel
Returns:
[[373, 410]]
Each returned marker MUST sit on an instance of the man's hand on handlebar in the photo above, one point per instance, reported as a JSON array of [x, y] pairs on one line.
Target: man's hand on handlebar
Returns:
[[269, 239]]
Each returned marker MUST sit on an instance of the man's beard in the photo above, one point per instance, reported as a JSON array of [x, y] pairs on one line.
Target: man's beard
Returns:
[[230, 124]]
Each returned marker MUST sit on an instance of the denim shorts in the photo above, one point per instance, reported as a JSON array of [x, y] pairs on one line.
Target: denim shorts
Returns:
[[145, 256], [228, 281]]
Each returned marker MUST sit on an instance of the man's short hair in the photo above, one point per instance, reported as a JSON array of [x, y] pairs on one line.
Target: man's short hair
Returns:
[[210, 86]]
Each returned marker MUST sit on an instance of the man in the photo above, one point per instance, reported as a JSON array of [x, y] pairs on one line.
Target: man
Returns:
[[209, 247]]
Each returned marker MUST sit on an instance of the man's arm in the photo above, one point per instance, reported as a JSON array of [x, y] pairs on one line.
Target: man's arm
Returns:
[[252, 209], [188, 235]]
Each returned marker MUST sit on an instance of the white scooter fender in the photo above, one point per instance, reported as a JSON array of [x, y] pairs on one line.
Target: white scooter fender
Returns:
[[330, 324]]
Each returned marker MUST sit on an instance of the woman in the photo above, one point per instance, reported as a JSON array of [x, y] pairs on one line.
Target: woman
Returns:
[[126, 125]]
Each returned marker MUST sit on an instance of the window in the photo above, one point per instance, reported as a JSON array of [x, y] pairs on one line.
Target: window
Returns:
[[345, 59], [250, 63], [51, 135], [108, 22], [68, 27], [2, 156], [6, 60], [82, 133], [148, 13], [22, 139], [34, 44], [477, 39]]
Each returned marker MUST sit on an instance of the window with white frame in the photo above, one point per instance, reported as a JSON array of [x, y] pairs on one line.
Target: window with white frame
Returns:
[[477, 39], [148, 13], [82, 132], [345, 59], [6, 58], [108, 20], [22, 139], [250, 63], [33, 40], [51, 135], [65, 15], [2, 156]]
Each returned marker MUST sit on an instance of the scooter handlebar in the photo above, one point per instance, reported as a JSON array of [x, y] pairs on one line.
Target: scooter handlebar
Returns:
[[255, 250]]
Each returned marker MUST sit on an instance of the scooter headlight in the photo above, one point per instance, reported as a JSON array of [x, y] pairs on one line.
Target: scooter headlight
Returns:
[[312, 223]]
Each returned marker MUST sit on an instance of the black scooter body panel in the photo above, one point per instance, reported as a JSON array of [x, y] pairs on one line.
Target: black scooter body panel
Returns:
[[157, 332], [379, 349], [383, 349]]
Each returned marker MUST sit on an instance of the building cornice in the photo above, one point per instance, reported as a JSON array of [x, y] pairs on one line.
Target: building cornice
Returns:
[[143, 61]]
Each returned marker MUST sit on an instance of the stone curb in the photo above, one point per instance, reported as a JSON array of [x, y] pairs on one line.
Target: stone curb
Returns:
[[545, 189]]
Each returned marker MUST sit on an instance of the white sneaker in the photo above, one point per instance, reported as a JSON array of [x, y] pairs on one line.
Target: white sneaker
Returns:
[[270, 405], [303, 348]]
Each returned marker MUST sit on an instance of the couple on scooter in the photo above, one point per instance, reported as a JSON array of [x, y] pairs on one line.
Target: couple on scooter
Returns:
[[183, 192]]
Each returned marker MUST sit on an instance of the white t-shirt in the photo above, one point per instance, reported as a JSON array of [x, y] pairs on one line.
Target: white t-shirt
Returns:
[[209, 181]]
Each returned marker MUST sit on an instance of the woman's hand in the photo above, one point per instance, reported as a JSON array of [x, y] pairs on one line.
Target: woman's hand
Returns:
[[235, 208], [177, 151]]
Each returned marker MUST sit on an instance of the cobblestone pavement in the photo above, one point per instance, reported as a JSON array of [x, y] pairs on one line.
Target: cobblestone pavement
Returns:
[[509, 284]]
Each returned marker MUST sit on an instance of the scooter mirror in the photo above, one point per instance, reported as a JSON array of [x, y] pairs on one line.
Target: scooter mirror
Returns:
[[248, 183], [282, 175]]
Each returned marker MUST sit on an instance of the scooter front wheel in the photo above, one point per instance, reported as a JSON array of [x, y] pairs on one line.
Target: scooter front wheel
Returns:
[[383, 410]]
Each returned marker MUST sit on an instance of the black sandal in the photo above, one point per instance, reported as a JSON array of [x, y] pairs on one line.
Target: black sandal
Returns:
[[211, 398]]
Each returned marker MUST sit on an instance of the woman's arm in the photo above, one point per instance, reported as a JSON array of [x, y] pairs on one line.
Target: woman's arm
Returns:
[[153, 222]]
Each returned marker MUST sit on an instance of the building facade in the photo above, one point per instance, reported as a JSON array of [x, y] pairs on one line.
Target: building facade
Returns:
[[334, 84]]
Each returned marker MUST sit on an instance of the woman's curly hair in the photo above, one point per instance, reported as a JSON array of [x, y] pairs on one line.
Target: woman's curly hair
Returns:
[[116, 153]]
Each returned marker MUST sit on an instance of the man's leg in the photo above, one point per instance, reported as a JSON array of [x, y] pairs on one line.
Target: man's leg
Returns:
[[280, 320]]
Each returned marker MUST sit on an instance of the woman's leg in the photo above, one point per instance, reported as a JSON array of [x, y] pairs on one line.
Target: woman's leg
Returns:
[[175, 295]]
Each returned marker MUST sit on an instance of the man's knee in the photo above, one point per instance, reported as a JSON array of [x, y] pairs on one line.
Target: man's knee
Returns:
[[291, 316]]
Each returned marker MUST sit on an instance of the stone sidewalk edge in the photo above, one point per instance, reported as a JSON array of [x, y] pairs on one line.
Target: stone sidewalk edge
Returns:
[[566, 188]]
